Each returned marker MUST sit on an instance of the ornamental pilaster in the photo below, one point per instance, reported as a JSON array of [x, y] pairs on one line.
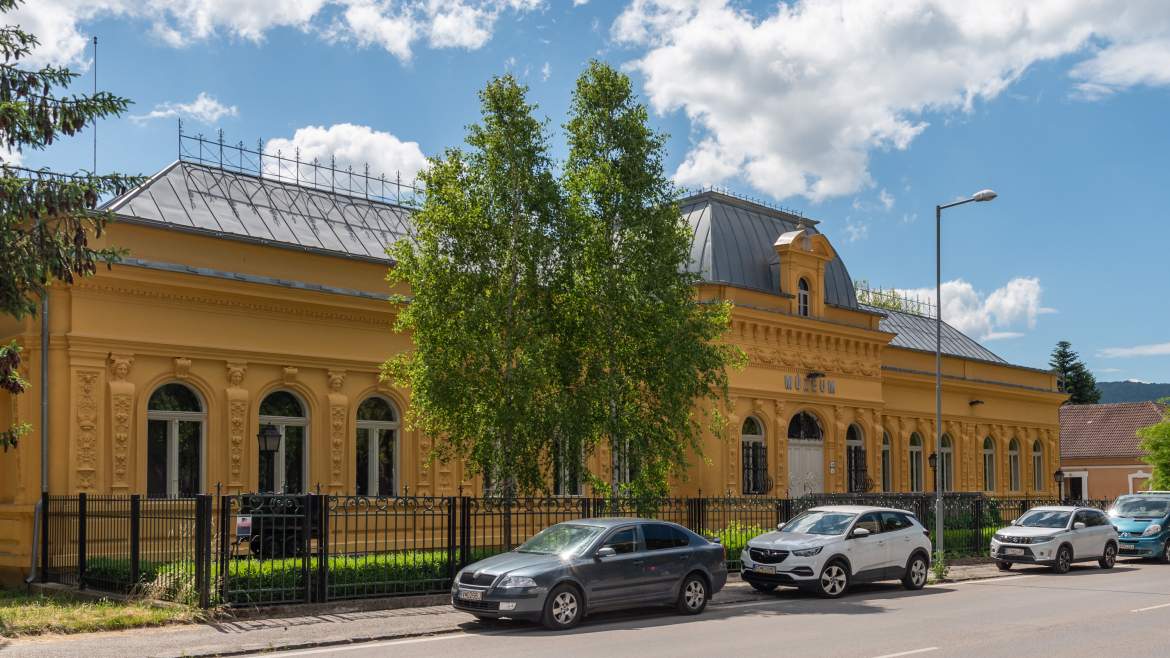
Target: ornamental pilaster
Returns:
[[237, 398], [121, 421], [338, 412]]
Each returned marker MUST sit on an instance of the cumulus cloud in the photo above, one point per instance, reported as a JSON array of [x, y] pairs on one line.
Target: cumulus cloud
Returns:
[[394, 25], [856, 230], [1155, 349], [348, 145], [796, 99], [204, 108], [1003, 313]]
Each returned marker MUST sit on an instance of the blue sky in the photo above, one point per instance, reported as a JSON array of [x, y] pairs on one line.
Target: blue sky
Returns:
[[860, 115]]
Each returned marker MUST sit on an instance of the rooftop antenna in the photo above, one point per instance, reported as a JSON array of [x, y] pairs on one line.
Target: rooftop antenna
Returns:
[[95, 87]]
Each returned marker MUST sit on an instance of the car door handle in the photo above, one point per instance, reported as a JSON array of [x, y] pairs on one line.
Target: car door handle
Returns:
[[637, 563]]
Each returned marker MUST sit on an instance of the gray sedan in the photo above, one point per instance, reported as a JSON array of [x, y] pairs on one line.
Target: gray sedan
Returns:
[[592, 565]]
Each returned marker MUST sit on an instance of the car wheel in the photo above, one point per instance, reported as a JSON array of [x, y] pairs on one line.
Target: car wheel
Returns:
[[916, 570], [834, 580], [764, 587], [692, 596], [1063, 560], [1003, 566], [563, 608], [1109, 558]]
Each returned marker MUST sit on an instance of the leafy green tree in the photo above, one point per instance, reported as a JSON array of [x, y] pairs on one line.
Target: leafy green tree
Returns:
[[46, 219], [1077, 381], [647, 350], [482, 269], [1156, 445]]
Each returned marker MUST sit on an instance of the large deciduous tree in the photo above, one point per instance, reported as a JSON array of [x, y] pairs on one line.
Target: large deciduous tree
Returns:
[[651, 357], [46, 219], [1075, 377], [1156, 445]]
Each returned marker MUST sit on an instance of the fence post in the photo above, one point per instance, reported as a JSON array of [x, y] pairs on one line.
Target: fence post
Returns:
[[81, 540], [203, 548], [225, 544], [451, 540], [135, 539], [980, 538], [323, 550], [306, 557], [464, 532], [44, 572], [508, 503]]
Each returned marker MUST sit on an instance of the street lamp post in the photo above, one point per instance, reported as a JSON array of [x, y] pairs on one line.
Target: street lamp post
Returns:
[[1059, 477], [268, 440], [981, 195]]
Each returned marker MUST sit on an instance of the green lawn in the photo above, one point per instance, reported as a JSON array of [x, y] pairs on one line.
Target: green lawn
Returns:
[[24, 614]]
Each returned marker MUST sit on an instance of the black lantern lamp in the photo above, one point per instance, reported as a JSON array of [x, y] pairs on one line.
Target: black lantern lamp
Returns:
[[933, 460], [1059, 477], [269, 442]]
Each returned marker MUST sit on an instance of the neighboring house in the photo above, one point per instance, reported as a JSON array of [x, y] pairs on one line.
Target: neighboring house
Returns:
[[1099, 449]]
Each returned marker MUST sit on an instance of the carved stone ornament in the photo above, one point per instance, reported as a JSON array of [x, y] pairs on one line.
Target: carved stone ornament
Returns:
[[182, 367], [87, 424], [121, 410], [120, 365], [290, 374], [336, 380], [236, 373]]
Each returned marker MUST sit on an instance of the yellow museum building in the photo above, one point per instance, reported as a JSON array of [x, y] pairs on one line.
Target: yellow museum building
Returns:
[[250, 300]]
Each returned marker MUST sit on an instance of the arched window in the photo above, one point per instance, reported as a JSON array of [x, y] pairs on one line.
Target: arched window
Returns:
[[1014, 465], [377, 448], [989, 465], [916, 479], [855, 460], [804, 426], [286, 470], [755, 457], [174, 442], [887, 462], [1037, 466], [802, 297], [946, 463]]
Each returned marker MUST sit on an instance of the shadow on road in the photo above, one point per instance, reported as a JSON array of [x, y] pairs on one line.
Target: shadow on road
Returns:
[[1086, 569]]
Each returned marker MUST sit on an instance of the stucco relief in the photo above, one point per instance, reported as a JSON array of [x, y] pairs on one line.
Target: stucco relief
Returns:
[[87, 424], [182, 367], [338, 411], [122, 416], [237, 422]]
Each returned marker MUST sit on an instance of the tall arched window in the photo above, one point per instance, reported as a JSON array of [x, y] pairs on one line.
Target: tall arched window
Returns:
[[377, 448], [989, 465], [174, 442], [887, 462], [916, 479], [804, 426], [1037, 466], [286, 470], [855, 460], [1014, 465], [946, 463], [802, 297], [755, 457]]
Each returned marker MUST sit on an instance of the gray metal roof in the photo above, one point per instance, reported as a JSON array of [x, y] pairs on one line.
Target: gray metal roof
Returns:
[[204, 198], [916, 332], [734, 241]]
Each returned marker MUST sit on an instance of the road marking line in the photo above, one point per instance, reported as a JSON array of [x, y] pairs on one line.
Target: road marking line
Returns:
[[1153, 607], [907, 653]]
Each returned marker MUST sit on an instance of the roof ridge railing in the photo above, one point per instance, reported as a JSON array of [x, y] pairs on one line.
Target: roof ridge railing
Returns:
[[893, 299], [197, 149], [693, 191]]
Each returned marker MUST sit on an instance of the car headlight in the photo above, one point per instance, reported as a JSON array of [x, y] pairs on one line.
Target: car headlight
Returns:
[[1152, 529], [517, 582], [1041, 540], [807, 552]]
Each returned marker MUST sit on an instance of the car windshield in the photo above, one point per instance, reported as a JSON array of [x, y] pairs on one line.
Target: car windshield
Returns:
[[561, 538], [1044, 519], [820, 523], [1141, 508]]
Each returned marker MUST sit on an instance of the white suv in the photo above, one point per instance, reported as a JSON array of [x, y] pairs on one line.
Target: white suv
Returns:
[[1056, 536], [826, 549]]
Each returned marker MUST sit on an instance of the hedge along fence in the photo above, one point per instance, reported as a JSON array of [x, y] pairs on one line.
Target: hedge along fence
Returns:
[[321, 548]]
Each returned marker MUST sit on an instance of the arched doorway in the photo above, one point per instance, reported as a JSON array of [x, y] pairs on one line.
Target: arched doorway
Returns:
[[806, 456]]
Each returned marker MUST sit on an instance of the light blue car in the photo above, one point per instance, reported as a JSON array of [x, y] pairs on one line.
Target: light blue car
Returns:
[[1143, 525]]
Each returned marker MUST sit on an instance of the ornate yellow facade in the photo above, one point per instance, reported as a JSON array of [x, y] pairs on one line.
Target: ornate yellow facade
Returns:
[[234, 318]]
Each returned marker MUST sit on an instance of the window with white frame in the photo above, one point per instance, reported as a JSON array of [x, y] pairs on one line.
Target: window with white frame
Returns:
[[175, 420], [802, 297], [855, 467], [755, 458], [1014, 465], [887, 463], [989, 464], [377, 448], [916, 475], [1038, 466], [286, 470], [946, 463]]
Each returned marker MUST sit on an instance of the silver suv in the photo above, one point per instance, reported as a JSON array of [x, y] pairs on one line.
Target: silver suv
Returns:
[[1058, 537]]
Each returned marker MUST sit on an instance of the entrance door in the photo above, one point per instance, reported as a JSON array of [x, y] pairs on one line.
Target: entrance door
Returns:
[[806, 467], [1074, 487]]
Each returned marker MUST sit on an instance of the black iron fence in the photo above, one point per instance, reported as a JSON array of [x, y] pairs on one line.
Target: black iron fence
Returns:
[[263, 549]]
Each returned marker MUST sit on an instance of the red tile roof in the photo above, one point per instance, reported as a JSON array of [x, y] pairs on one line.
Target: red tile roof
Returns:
[[1105, 430]]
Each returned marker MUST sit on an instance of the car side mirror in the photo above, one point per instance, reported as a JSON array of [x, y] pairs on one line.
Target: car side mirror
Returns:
[[780, 526], [1079, 525], [860, 532], [1015, 522], [605, 551]]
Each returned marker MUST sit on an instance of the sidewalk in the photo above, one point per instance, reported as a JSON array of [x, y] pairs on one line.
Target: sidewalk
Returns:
[[225, 638]]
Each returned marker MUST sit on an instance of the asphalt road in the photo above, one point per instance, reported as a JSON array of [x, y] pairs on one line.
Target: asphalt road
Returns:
[[1087, 612]]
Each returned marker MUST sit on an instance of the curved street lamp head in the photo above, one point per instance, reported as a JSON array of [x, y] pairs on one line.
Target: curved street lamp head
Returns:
[[984, 195]]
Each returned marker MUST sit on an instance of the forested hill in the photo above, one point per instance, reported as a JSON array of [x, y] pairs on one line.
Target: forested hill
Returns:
[[1129, 391]]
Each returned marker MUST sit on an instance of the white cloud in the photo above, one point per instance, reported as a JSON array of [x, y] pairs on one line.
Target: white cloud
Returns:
[[887, 199], [795, 100], [545, 71], [1156, 349], [350, 146], [10, 157], [204, 108], [856, 230], [1002, 314], [394, 25]]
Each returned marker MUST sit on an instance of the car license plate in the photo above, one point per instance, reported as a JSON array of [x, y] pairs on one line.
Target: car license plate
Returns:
[[471, 595], [764, 568], [1013, 551], [1128, 545]]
